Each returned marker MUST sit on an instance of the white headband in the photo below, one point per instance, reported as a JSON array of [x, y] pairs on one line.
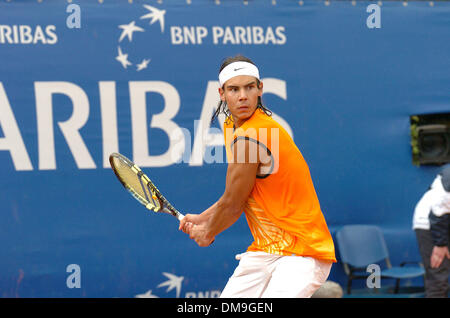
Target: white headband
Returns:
[[236, 69]]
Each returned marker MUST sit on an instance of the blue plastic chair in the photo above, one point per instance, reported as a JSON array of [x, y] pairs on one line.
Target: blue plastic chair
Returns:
[[362, 245]]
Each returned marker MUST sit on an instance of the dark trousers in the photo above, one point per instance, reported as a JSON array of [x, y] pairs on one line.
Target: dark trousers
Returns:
[[436, 279]]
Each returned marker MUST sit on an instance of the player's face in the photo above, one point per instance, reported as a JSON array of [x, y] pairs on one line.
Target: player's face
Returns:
[[241, 95]]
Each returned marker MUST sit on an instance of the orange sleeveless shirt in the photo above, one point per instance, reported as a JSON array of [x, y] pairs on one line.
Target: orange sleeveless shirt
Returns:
[[282, 211]]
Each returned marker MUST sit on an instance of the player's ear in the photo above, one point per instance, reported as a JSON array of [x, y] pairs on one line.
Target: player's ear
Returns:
[[260, 87], [222, 94]]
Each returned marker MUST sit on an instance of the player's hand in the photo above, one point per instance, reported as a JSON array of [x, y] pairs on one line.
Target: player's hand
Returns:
[[188, 221], [195, 227], [200, 235]]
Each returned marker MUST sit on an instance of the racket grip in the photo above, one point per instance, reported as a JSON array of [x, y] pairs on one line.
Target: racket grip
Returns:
[[180, 216]]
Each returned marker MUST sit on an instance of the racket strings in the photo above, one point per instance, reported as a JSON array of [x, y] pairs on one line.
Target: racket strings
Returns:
[[140, 186], [136, 183]]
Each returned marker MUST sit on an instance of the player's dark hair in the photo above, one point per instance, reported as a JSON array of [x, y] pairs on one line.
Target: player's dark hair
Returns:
[[222, 106]]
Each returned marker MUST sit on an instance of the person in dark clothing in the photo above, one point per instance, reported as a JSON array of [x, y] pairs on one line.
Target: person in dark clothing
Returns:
[[431, 223]]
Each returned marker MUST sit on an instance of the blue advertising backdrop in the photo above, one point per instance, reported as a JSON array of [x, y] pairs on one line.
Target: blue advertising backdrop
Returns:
[[140, 78]]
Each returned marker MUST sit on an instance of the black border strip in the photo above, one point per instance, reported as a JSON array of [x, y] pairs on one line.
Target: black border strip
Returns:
[[259, 144]]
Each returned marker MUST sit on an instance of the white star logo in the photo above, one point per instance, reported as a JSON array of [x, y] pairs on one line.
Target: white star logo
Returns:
[[128, 30], [173, 282], [143, 65], [146, 295], [155, 15], [123, 58]]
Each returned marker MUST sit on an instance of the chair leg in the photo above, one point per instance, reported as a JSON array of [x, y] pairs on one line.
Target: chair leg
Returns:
[[349, 285], [397, 286]]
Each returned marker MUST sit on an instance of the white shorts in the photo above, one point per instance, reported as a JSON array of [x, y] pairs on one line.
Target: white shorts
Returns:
[[263, 275]]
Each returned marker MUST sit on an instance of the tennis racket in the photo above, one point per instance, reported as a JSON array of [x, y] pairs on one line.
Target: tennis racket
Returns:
[[140, 186]]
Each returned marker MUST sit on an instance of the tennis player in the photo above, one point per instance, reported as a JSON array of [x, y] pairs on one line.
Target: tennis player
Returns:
[[267, 178]]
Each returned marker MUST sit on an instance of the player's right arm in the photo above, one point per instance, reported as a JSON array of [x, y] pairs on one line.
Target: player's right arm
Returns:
[[240, 179]]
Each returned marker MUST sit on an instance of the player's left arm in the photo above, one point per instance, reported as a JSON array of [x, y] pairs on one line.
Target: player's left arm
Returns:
[[240, 179]]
